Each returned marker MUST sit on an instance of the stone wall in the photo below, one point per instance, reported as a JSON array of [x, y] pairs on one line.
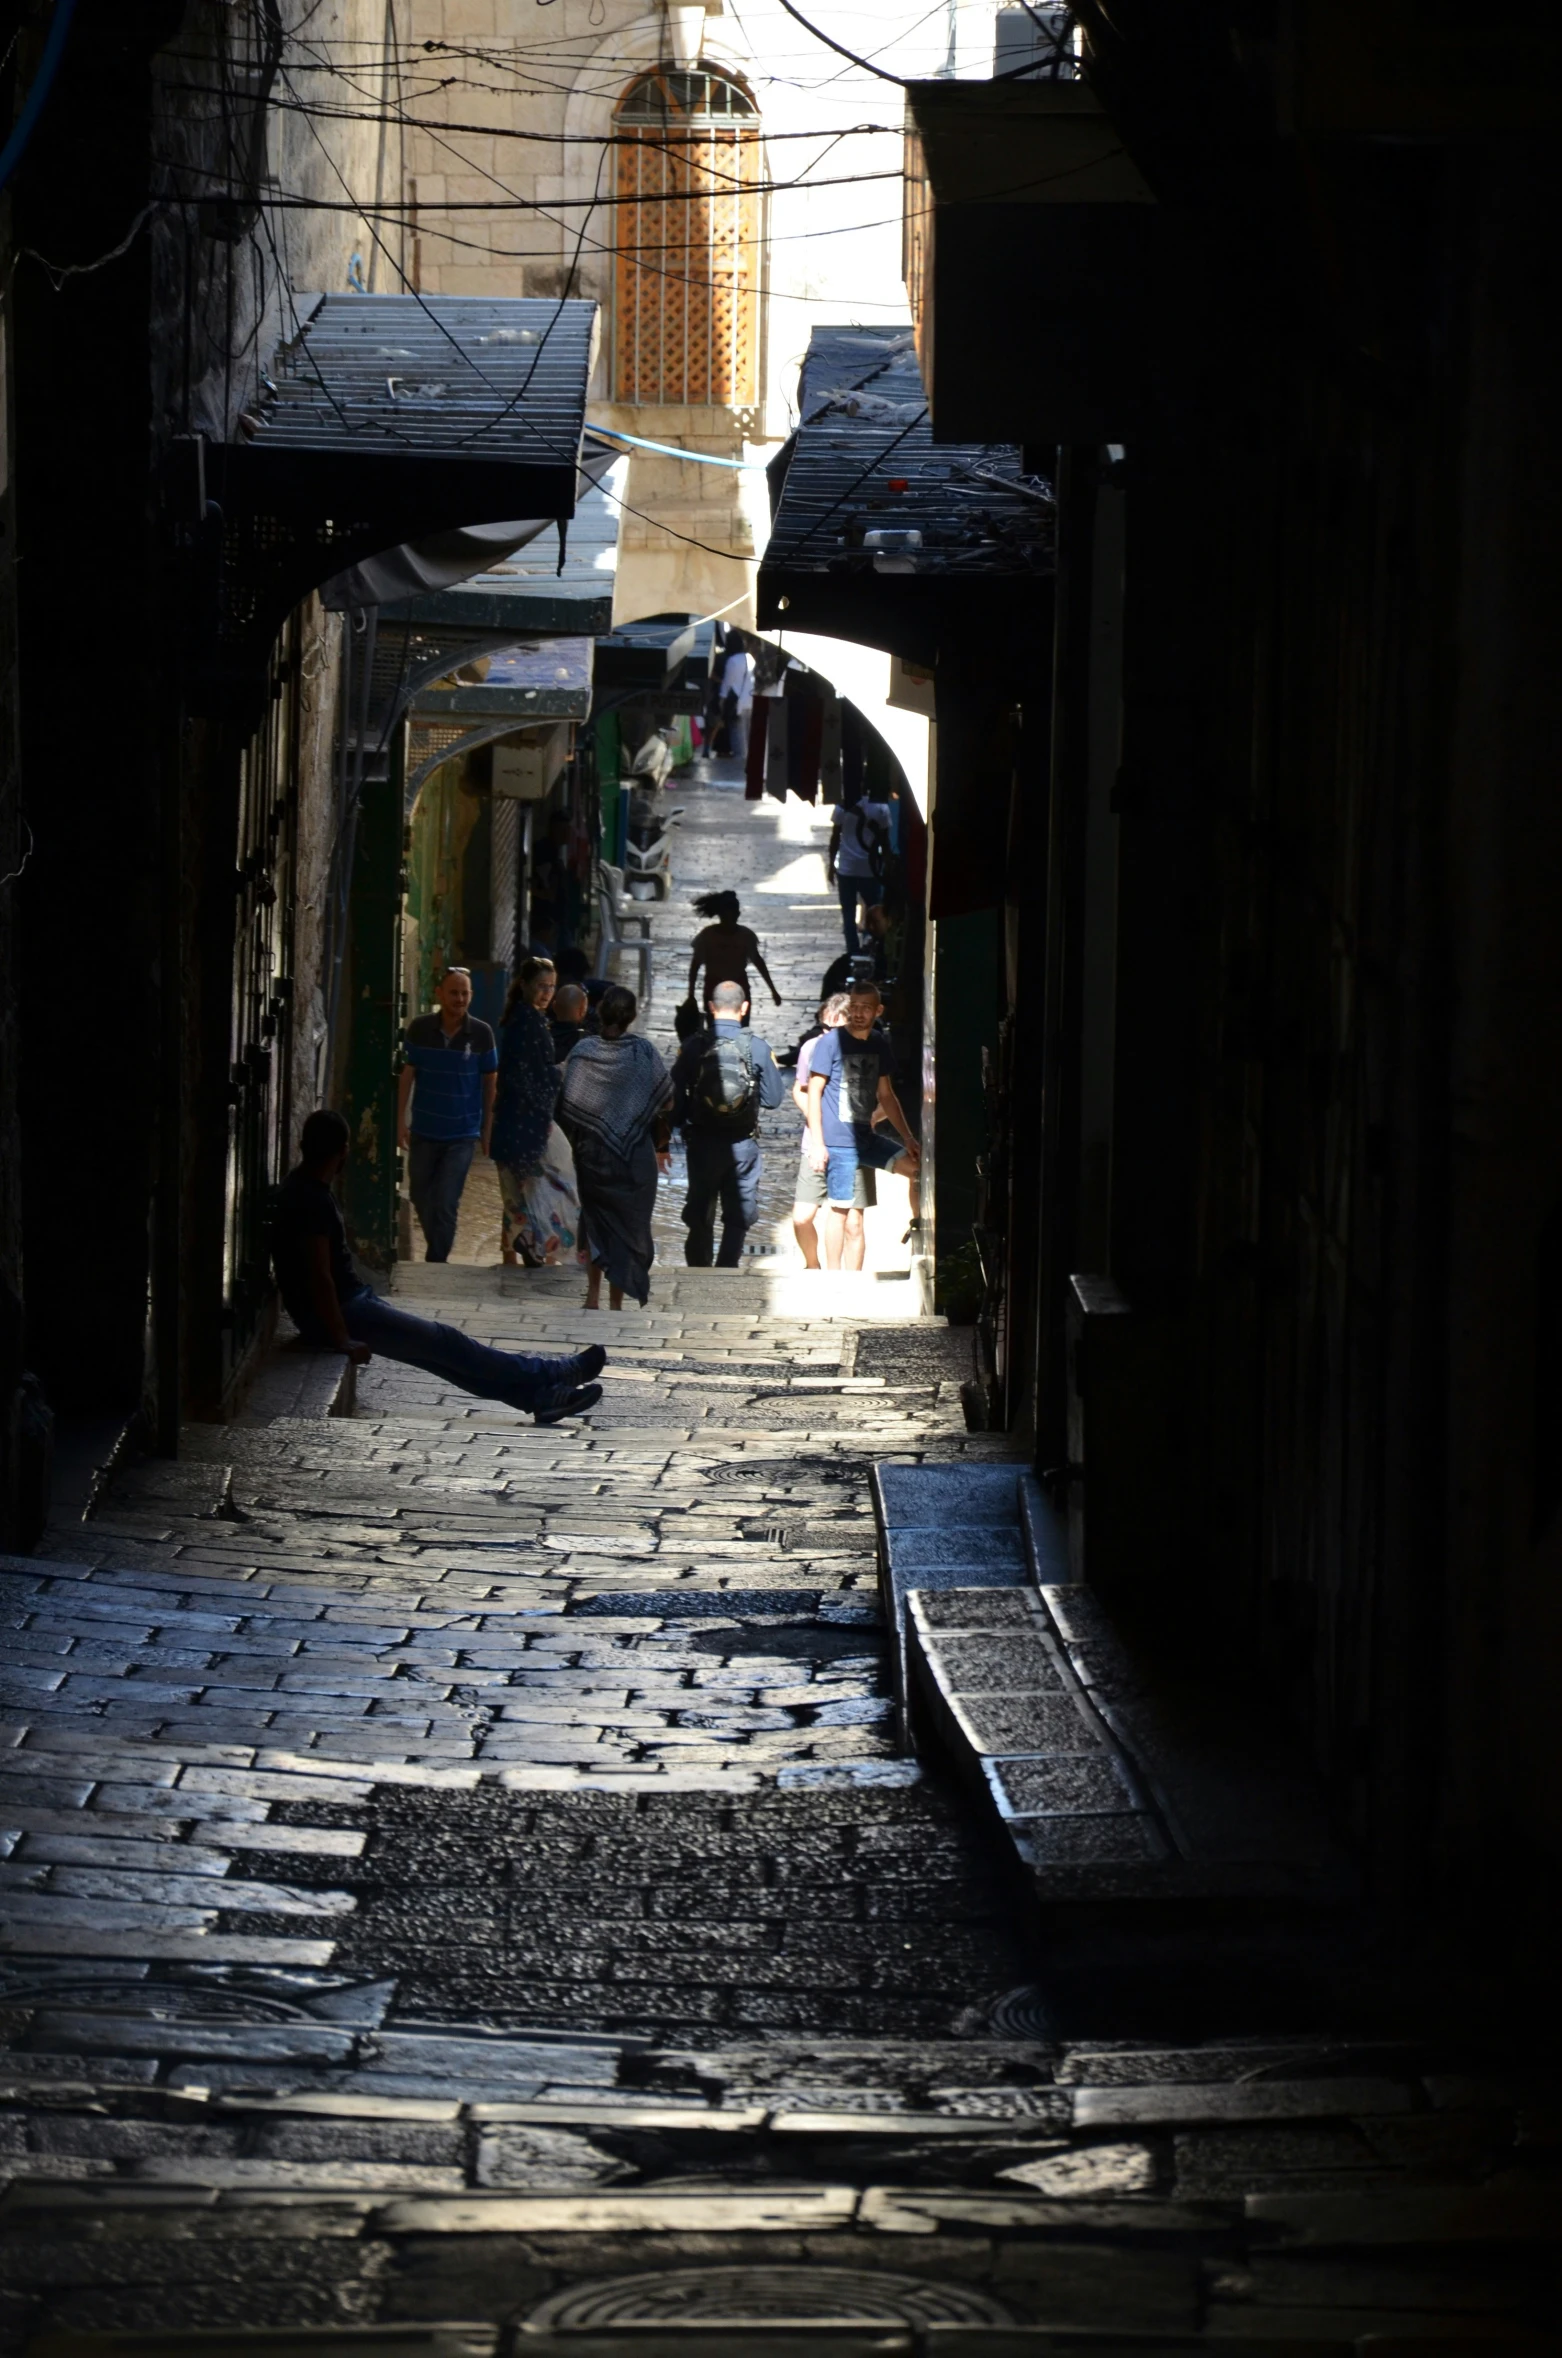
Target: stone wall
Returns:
[[117, 368]]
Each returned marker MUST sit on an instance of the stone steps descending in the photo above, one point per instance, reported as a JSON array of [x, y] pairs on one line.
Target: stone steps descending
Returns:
[[962, 1526], [1100, 1797], [1108, 1780]]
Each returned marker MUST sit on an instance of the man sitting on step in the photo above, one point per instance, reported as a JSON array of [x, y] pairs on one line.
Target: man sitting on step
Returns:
[[334, 1310]]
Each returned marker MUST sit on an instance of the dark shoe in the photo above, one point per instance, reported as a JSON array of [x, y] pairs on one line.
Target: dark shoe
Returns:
[[581, 1366], [569, 1400]]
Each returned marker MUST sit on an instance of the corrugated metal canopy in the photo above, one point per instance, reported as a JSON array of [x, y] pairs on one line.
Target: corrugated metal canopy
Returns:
[[447, 375], [880, 534], [388, 419]]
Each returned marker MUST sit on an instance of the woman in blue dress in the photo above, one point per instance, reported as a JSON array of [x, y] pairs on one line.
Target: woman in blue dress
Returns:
[[536, 1175]]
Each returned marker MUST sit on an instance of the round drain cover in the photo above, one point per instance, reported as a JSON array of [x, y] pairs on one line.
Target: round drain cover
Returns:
[[765, 2296], [1021, 2014]]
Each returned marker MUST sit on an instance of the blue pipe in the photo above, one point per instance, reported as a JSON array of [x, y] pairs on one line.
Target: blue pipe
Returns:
[[700, 458], [43, 81]]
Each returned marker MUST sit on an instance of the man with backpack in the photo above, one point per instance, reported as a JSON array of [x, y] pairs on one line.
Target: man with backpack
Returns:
[[723, 1076], [860, 836]]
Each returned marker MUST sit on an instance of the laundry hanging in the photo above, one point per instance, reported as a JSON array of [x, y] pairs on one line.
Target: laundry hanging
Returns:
[[777, 747]]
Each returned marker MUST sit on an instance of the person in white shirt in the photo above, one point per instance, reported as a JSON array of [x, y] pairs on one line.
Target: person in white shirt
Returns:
[[859, 849], [737, 701]]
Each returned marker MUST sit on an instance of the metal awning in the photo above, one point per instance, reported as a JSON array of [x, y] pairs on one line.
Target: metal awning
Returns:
[[470, 381], [879, 535], [523, 599], [538, 684], [647, 657], [385, 420], [547, 682], [561, 583]]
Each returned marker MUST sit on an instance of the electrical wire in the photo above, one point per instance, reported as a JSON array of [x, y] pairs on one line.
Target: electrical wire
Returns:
[[59, 272], [12, 875]]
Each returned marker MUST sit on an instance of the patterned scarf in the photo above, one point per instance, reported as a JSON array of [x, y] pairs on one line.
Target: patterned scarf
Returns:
[[613, 1091]]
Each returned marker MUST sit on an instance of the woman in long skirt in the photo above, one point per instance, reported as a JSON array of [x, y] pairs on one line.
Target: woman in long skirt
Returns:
[[536, 1180], [616, 1110]]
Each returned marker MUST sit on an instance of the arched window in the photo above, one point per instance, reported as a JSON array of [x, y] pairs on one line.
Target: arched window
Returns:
[[686, 308]]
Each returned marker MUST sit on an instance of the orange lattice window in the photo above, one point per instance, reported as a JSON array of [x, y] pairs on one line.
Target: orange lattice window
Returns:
[[686, 309]]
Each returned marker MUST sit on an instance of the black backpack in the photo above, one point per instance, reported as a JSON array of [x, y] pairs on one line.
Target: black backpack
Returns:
[[724, 1094], [873, 838]]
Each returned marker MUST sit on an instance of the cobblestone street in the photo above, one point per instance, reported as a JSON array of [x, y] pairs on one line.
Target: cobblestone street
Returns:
[[460, 1879]]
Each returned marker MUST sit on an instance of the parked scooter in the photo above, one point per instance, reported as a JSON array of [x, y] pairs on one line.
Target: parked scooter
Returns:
[[653, 761], [648, 874]]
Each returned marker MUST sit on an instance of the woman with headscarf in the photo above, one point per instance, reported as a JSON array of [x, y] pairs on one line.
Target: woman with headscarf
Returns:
[[616, 1110], [536, 1179]]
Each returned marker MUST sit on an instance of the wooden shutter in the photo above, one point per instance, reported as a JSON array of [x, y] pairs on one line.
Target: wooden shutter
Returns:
[[686, 312]]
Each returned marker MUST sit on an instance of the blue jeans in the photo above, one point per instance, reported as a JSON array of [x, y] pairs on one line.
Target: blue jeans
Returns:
[[436, 1174], [445, 1352], [724, 1169], [853, 889]]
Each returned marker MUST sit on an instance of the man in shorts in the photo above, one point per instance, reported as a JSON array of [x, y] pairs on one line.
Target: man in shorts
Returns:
[[848, 1083], [808, 1197]]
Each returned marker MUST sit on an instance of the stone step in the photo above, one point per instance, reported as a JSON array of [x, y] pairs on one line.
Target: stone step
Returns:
[[1102, 1795], [962, 1526]]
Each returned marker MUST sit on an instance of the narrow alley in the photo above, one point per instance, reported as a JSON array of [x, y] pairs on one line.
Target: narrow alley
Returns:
[[465, 1891]]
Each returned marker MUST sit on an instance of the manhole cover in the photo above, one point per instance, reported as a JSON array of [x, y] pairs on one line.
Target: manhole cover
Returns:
[[779, 1472], [1021, 2014], [765, 2296]]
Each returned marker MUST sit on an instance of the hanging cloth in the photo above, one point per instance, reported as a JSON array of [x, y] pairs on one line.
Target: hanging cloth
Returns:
[[805, 729], [830, 750], [778, 742], [754, 769], [851, 753]]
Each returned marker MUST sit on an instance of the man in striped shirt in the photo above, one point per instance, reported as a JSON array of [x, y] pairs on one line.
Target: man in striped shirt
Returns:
[[445, 1106]]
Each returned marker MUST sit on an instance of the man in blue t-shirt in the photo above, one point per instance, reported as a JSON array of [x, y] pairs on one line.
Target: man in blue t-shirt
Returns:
[[444, 1105], [849, 1082]]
